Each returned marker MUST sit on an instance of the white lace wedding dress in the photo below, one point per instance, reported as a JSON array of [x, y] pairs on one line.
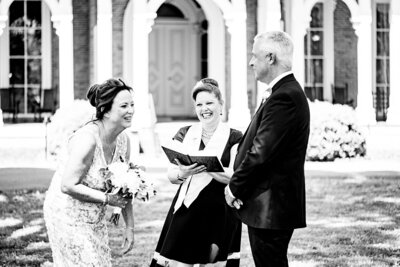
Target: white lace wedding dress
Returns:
[[77, 230]]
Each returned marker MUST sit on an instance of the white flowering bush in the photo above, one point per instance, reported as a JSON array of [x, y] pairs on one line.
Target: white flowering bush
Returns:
[[334, 133], [65, 121]]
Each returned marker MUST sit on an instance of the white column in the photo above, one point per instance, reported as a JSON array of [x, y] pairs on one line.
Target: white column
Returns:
[[47, 49], [268, 19], [4, 52], [299, 25], [268, 15], [104, 41], [63, 25], [3, 23], [329, 51], [239, 113], [365, 110], [216, 62], [127, 44], [393, 114], [142, 23]]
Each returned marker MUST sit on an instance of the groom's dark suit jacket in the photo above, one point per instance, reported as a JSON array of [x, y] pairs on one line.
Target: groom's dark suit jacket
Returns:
[[269, 165]]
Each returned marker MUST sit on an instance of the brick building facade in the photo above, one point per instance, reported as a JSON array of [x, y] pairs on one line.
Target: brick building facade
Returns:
[[343, 52]]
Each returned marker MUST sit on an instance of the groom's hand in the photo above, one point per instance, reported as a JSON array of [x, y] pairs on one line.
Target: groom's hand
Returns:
[[231, 200], [237, 203]]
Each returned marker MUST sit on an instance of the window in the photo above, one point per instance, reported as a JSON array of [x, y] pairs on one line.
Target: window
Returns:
[[382, 66], [25, 52], [169, 11], [314, 54]]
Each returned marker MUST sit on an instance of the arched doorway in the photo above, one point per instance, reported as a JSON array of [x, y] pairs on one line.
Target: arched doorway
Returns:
[[139, 19], [223, 16], [175, 57]]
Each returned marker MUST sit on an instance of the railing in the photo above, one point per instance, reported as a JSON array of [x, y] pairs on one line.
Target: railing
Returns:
[[381, 102]]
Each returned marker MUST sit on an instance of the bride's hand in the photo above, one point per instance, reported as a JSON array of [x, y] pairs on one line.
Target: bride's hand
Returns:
[[117, 200], [128, 241]]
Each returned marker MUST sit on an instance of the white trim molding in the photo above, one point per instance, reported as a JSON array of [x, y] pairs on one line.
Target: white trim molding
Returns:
[[46, 48], [103, 41], [4, 52], [3, 23], [63, 26], [239, 113], [329, 49], [268, 19], [393, 113], [298, 30]]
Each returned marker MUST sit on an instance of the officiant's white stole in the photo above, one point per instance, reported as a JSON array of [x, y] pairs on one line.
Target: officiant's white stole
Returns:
[[193, 185]]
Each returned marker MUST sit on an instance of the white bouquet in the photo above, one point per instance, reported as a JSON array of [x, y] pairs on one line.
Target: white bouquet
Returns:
[[128, 180]]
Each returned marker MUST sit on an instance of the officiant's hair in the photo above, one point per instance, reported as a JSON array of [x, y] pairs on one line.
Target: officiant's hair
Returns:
[[101, 96], [207, 85]]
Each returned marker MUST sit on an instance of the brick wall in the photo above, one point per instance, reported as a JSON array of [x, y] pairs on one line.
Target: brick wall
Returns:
[[81, 47], [55, 63], [345, 50], [118, 7]]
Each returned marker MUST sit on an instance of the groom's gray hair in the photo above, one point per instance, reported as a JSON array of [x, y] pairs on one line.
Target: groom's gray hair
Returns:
[[281, 44]]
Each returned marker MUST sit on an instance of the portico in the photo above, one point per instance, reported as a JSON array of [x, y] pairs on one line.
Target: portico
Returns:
[[140, 16]]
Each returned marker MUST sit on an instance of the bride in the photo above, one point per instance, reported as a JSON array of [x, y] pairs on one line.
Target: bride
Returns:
[[75, 204]]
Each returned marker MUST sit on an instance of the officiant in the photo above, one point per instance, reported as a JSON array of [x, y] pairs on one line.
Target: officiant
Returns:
[[200, 228]]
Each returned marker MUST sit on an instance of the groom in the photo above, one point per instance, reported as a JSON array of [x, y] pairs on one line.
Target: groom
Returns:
[[268, 186]]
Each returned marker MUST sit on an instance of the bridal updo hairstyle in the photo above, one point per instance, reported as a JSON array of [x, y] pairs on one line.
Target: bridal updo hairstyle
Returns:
[[101, 96], [207, 85]]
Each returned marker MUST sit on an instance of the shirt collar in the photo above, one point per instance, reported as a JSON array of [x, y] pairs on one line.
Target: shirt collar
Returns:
[[278, 78]]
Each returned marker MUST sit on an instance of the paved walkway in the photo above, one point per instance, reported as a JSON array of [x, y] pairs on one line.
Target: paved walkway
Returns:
[[23, 157]]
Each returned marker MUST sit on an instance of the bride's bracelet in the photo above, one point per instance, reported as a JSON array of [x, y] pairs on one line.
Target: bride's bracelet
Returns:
[[130, 228]]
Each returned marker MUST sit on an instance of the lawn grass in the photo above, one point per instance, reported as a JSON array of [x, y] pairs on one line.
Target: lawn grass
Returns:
[[352, 220]]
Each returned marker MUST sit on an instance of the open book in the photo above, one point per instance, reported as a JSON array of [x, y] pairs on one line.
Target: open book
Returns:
[[212, 163]]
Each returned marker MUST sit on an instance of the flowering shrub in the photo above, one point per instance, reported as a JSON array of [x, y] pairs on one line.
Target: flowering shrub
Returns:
[[333, 133], [65, 121]]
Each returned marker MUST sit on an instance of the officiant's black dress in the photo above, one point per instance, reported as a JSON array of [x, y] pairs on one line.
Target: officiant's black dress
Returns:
[[188, 233]]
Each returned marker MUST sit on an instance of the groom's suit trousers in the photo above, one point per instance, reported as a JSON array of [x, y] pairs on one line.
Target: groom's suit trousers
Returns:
[[269, 247]]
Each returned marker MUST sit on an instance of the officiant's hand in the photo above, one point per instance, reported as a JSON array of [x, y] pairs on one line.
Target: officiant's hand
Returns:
[[186, 171]]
